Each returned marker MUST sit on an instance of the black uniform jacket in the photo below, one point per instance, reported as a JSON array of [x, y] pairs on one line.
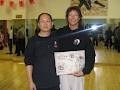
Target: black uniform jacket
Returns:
[[78, 41]]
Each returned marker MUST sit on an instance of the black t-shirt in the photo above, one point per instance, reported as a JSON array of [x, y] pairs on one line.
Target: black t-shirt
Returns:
[[40, 54]]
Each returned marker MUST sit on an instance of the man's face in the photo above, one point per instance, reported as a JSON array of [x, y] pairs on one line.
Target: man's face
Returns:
[[45, 23], [73, 18]]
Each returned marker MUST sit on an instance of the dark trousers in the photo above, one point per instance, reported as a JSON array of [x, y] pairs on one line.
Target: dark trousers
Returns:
[[1, 46], [52, 88], [20, 46], [95, 41], [109, 42], [115, 43], [118, 46], [16, 45], [10, 44]]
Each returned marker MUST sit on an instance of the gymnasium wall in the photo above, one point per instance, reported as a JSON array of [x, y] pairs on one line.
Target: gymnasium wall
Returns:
[[56, 8]]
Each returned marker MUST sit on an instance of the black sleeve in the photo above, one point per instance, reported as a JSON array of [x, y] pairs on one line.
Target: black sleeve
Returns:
[[29, 52], [89, 56]]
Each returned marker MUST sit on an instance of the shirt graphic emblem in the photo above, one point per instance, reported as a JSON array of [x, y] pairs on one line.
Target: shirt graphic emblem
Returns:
[[76, 41]]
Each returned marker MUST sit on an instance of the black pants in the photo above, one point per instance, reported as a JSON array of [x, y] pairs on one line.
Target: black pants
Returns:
[[95, 41], [109, 43], [118, 46], [17, 46], [20, 46], [52, 88], [1, 46], [10, 44]]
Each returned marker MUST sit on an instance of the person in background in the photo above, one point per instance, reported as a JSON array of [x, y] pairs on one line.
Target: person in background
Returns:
[[118, 37], [21, 41], [1, 41], [10, 40], [108, 35], [16, 41], [95, 37]]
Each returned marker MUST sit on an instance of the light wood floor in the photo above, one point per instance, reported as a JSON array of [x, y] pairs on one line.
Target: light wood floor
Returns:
[[105, 76]]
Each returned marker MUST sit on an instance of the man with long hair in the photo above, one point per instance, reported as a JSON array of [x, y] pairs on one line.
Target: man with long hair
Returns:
[[75, 42]]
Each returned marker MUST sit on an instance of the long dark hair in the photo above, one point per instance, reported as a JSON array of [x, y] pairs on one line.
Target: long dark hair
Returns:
[[77, 9]]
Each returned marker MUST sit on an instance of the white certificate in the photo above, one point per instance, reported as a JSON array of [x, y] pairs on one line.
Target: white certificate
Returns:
[[69, 62]]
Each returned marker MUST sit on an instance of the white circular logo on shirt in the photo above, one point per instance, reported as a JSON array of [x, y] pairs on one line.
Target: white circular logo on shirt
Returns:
[[55, 44], [76, 42]]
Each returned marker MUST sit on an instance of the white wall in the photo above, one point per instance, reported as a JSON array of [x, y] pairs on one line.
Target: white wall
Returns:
[[56, 8], [114, 9]]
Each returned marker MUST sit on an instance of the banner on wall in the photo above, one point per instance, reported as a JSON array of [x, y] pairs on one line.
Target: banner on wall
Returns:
[[1, 2], [31, 1], [21, 3], [92, 7], [11, 4]]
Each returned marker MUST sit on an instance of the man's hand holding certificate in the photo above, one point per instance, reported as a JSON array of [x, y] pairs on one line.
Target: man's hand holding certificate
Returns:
[[69, 62]]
